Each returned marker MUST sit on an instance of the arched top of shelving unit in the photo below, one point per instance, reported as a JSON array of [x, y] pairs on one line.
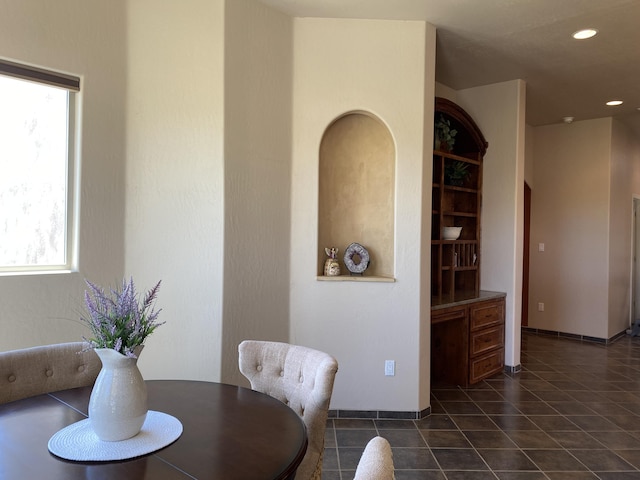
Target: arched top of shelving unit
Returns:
[[474, 139]]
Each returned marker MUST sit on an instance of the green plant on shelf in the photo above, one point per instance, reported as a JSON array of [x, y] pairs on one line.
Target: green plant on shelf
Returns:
[[444, 135], [455, 173]]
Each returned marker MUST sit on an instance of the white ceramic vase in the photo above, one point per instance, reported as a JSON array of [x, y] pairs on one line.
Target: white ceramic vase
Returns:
[[118, 403]]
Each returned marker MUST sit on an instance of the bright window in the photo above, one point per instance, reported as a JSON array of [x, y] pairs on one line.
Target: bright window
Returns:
[[36, 169]]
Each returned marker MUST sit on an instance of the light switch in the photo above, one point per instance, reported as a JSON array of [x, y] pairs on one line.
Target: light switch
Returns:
[[541, 247]]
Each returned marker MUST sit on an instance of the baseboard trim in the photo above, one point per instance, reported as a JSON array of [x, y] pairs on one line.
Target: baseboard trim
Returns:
[[379, 414], [512, 369], [573, 336]]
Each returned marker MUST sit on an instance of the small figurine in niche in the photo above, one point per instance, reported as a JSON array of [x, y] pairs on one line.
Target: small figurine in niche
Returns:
[[331, 265]]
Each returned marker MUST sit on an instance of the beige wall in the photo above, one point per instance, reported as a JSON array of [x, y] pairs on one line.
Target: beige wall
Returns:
[[528, 155], [258, 76], [210, 156], [351, 65], [571, 216], [586, 176], [175, 186], [424, 334], [625, 183], [499, 111], [443, 91], [67, 35]]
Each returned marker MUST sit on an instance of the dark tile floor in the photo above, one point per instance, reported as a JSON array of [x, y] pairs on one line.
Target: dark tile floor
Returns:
[[573, 413]]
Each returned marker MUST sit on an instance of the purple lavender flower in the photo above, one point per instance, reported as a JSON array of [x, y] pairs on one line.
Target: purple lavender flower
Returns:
[[118, 320]]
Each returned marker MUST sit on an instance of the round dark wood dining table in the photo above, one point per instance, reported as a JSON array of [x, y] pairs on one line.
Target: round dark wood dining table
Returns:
[[228, 433]]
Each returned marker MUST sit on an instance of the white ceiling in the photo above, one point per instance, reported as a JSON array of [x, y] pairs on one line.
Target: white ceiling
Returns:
[[480, 42]]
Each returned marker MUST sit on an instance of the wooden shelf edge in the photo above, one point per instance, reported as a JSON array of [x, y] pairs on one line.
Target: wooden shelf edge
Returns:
[[453, 156], [436, 241], [453, 188], [460, 214]]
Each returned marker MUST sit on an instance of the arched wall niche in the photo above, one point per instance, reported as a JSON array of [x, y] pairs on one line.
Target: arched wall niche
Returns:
[[356, 194]]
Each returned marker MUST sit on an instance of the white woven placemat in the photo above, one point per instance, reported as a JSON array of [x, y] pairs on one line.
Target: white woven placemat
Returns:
[[79, 442]]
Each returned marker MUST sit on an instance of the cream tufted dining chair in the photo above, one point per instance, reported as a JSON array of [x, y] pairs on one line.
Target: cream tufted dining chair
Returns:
[[48, 368], [376, 462], [300, 377]]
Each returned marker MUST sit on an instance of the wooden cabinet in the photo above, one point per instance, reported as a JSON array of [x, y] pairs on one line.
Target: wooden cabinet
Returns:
[[467, 325], [467, 340], [486, 339], [456, 263], [456, 202]]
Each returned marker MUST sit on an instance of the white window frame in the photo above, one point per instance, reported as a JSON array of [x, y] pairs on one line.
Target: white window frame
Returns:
[[71, 84]]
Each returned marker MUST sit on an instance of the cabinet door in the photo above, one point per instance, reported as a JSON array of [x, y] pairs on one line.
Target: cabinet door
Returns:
[[450, 346]]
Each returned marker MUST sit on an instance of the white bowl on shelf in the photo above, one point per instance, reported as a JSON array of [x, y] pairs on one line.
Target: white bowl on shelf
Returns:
[[451, 233]]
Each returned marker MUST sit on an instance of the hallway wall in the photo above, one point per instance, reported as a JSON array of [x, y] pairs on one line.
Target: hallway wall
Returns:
[[570, 215]]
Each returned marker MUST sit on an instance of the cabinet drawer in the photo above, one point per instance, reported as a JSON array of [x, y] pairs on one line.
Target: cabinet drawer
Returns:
[[486, 314], [484, 340], [447, 315], [486, 365]]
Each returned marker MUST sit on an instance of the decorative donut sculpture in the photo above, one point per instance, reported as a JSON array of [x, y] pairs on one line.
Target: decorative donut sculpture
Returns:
[[350, 252]]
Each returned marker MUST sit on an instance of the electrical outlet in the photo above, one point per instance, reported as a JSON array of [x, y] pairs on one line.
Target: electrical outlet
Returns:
[[389, 368], [541, 307]]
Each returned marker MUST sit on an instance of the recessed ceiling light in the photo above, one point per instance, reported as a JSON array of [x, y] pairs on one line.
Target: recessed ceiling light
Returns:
[[584, 34], [613, 103]]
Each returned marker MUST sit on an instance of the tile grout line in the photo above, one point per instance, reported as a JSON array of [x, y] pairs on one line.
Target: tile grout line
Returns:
[[471, 443]]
